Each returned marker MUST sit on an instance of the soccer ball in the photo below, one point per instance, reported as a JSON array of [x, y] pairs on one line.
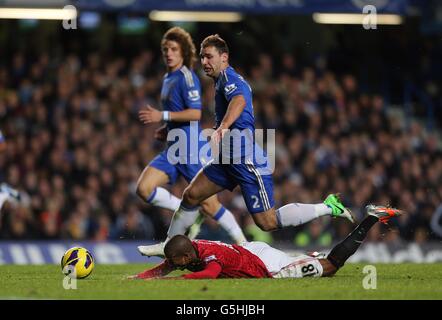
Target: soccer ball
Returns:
[[77, 262]]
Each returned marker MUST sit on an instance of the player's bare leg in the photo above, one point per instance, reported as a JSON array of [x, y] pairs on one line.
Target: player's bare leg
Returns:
[[295, 214], [344, 250], [199, 189], [149, 190], [326, 266], [213, 208], [266, 220]]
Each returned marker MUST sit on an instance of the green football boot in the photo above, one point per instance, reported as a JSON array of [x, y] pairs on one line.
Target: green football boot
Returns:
[[338, 210]]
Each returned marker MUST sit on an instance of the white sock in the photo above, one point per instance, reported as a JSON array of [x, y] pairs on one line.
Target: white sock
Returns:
[[195, 229], [3, 197], [295, 214], [182, 219], [226, 220], [162, 198]]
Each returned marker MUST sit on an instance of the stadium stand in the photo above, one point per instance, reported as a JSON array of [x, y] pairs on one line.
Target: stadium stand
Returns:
[[76, 147]]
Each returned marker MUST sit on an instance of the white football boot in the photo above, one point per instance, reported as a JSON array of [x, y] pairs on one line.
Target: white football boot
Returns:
[[155, 250]]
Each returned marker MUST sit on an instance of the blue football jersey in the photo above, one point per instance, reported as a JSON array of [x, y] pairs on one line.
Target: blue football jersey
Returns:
[[228, 85], [181, 90]]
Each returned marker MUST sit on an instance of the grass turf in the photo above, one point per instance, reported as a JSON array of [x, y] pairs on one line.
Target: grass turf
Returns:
[[394, 281]]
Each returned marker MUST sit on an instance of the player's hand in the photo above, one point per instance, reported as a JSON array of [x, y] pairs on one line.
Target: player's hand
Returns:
[[161, 133], [215, 140], [218, 134], [150, 115]]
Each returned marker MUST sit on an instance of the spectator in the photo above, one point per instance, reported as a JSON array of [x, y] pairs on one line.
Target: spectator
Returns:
[[133, 225]]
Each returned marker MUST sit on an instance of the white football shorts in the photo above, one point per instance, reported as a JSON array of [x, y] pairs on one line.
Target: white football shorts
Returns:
[[281, 265]]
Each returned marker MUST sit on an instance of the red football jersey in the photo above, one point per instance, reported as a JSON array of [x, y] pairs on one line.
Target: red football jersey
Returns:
[[235, 261]]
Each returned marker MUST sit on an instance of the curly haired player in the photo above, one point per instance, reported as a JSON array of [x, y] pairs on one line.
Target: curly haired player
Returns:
[[181, 102]]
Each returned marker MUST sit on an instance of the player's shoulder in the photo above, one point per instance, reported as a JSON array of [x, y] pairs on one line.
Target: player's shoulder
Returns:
[[203, 247], [207, 244], [232, 74], [189, 77], [230, 80], [200, 242], [229, 76]]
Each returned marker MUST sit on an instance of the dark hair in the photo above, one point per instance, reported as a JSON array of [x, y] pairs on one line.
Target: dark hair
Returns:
[[183, 38], [215, 41], [179, 245]]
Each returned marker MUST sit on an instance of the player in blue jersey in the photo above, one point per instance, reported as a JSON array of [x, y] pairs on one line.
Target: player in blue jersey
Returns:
[[234, 111], [7, 193], [181, 102]]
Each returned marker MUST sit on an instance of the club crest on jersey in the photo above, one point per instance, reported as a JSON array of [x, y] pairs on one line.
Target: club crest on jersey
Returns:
[[194, 95], [230, 88]]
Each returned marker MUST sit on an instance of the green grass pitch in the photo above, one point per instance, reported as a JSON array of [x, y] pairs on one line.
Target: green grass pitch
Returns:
[[394, 281]]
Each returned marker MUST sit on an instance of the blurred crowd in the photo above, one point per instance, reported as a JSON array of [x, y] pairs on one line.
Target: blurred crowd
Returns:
[[76, 149]]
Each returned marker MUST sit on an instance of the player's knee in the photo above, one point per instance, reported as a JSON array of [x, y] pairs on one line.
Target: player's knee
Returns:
[[328, 268], [206, 208], [329, 273], [265, 221], [144, 189], [266, 225], [190, 196], [210, 207]]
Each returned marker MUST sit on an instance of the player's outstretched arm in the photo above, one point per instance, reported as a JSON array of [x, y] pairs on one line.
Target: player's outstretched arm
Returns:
[[159, 271], [186, 115], [152, 115], [212, 271]]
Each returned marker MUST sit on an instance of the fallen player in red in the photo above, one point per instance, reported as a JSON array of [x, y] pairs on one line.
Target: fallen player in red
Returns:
[[213, 259]]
